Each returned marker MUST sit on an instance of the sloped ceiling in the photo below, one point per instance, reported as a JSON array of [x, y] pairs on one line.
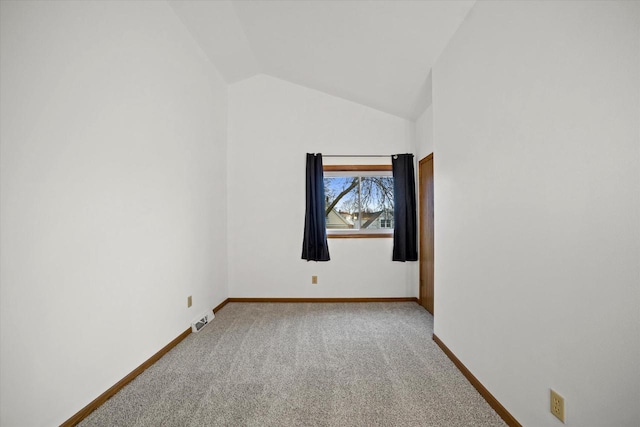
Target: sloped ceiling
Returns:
[[376, 53]]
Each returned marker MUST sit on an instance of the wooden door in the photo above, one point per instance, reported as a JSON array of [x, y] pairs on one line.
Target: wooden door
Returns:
[[425, 171]]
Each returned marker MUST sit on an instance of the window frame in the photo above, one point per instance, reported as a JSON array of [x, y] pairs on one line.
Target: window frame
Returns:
[[359, 234]]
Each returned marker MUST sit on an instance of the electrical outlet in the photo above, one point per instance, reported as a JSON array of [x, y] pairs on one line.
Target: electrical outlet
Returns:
[[557, 405], [314, 280], [189, 301]]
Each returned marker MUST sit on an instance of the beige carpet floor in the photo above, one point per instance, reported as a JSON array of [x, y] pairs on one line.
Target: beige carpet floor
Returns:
[[303, 364]]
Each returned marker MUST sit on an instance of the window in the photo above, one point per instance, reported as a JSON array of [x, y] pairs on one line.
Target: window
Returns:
[[359, 201]]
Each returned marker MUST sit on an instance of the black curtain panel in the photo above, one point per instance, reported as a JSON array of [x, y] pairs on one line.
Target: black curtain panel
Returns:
[[404, 214], [314, 245]]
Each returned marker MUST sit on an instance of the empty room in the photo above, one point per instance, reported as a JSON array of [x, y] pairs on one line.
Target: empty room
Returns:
[[319, 213]]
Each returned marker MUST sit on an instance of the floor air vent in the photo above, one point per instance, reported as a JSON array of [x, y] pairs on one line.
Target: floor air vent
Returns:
[[202, 321]]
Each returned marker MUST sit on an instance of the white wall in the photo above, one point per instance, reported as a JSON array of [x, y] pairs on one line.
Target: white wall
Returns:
[[536, 111], [272, 125], [112, 195], [424, 134]]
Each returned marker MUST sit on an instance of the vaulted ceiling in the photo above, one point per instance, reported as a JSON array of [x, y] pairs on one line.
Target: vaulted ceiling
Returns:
[[376, 53]]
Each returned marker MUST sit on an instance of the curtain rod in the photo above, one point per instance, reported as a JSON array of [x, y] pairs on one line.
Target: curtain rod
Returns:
[[359, 155]]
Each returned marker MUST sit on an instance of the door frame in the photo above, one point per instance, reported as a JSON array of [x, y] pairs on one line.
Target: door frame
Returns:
[[429, 303]]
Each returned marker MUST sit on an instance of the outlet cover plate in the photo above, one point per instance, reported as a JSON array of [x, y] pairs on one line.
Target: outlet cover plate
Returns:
[[557, 405]]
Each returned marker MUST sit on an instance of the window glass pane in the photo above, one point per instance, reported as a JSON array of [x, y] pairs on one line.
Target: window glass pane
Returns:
[[376, 195], [341, 202], [363, 202]]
